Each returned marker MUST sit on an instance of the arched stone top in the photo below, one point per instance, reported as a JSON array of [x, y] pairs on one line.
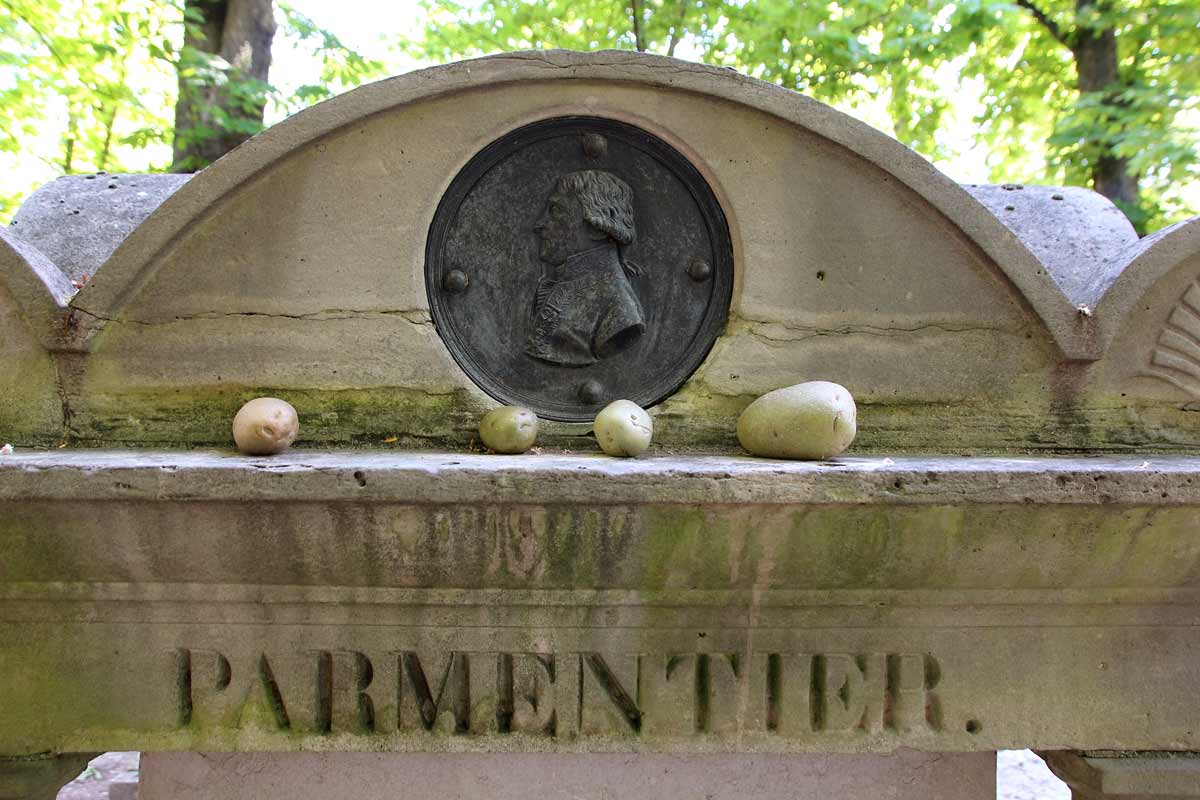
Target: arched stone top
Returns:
[[129, 267], [39, 288], [1140, 267]]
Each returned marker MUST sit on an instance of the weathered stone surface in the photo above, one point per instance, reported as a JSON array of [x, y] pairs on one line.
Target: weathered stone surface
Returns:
[[906, 775], [79, 220], [31, 410], [1078, 235], [360, 601], [32, 293]]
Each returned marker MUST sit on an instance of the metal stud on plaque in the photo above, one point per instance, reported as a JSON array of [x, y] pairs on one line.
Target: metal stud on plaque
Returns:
[[599, 262]]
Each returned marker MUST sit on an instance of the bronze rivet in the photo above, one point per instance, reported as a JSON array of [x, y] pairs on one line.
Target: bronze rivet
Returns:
[[699, 270], [455, 281], [594, 145], [591, 392]]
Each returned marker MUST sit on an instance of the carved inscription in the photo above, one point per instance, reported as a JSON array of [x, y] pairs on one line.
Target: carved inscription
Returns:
[[565, 695]]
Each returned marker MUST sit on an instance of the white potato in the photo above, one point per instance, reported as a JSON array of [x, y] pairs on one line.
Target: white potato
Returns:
[[623, 428], [509, 429], [264, 426]]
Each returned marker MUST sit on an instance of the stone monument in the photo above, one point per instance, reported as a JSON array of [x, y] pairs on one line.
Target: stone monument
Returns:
[[1008, 557]]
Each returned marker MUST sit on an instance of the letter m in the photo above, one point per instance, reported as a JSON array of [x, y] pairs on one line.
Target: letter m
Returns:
[[437, 701]]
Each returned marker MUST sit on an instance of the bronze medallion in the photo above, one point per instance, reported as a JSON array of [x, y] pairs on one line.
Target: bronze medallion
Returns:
[[577, 261]]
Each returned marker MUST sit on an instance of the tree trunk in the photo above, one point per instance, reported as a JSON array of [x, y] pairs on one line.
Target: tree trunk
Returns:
[[1095, 51], [636, 13], [213, 117]]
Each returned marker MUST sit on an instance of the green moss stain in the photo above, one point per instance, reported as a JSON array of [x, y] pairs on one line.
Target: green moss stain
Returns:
[[684, 548], [695, 419], [203, 416]]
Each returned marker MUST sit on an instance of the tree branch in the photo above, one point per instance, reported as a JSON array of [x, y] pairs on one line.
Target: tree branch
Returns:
[[638, 41], [677, 31], [1047, 23], [43, 38]]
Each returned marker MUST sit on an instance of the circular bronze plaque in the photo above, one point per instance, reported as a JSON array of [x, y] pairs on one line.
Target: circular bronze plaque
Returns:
[[577, 261]]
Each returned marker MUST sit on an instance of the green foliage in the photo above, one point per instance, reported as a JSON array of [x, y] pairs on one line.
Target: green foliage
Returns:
[[1147, 116], [86, 72], [920, 60], [89, 85], [342, 67]]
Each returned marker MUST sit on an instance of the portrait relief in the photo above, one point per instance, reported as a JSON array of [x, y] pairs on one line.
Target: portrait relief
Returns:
[[585, 308], [532, 267]]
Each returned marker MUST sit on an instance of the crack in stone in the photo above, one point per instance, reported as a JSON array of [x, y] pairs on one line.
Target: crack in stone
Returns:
[[527, 57], [63, 396], [415, 316], [753, 328]]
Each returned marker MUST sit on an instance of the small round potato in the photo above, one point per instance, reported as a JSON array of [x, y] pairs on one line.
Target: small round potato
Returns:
[[623, 428], [809, 421], [509, 429], [264, 426]]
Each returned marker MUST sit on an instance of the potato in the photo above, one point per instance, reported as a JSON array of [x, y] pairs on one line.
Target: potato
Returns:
[[264, 426], [509, 429], [623, 428], [811, 421]]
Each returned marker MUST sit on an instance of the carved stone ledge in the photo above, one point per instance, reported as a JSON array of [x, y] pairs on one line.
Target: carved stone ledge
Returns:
[[464, 478], [417, 602]]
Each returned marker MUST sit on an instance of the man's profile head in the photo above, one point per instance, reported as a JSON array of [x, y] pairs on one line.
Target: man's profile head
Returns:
[[585, 209]]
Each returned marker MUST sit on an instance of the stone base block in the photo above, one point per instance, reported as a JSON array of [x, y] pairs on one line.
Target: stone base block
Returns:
[[39, 777], [123, 791], [904, 775], [1127, 776]]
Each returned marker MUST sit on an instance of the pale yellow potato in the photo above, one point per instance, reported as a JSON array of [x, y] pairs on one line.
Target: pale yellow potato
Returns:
[[623, 428], [809, 421], [509, 429], [264, 426]]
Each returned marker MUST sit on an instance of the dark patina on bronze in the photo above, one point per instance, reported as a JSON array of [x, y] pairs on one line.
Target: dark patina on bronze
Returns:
[[577, 261]]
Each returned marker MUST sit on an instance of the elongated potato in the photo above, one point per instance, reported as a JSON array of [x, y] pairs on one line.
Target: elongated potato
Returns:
[[808, 421]]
